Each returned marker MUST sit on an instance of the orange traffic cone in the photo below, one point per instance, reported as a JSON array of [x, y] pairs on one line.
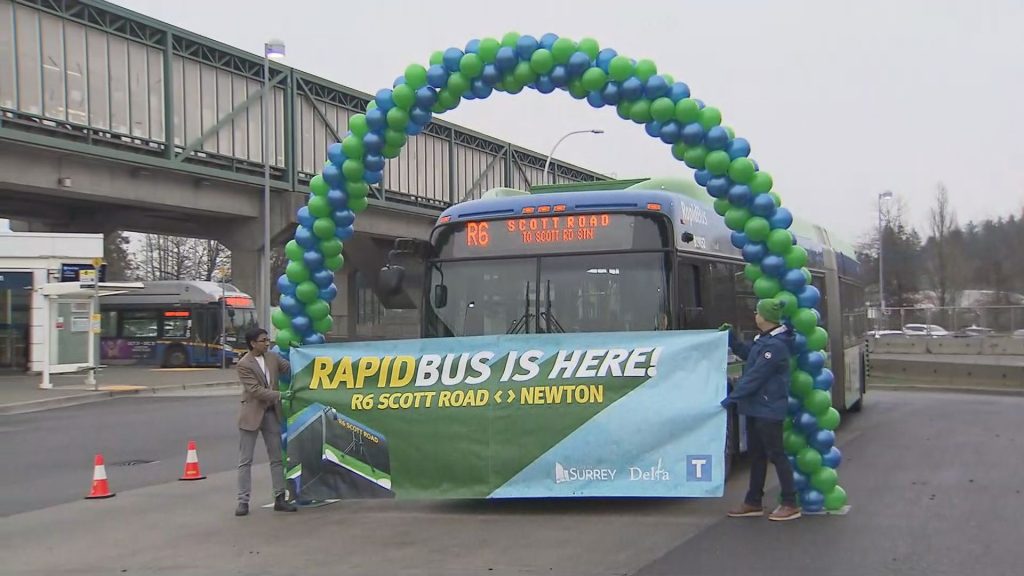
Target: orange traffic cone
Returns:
[[100, 489], [192, 464]]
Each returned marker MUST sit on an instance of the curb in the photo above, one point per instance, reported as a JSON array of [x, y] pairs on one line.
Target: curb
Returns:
[[90, 397], [951, 389]]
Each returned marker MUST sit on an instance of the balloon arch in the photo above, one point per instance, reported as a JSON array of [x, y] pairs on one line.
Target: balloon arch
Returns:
[[743, 197]]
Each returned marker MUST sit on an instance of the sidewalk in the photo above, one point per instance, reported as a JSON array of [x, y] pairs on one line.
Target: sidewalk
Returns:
[[20, 392]]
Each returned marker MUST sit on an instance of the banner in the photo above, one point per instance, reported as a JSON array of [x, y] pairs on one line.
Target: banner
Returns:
[[552, 415]]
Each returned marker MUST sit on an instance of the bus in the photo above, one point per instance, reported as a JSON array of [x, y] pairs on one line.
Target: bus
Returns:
[[619, 256], [176, 324]]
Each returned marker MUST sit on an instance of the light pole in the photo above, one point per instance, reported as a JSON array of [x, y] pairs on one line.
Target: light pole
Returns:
[[555, 147], [272, 50], [884, 196]]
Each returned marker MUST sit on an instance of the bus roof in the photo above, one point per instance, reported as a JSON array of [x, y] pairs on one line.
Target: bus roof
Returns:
[[177, 292]]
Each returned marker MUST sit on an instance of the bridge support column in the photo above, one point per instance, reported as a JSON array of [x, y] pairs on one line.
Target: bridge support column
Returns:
[[245, 274]]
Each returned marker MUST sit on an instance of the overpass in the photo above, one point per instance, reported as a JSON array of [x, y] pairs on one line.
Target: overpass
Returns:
[[111, 121]]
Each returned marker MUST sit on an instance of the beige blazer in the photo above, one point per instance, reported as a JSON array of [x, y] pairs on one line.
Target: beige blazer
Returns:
[[258, 395]]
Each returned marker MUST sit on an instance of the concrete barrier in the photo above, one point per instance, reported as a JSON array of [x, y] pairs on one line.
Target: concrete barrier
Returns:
[[948, 372], [988, 346]]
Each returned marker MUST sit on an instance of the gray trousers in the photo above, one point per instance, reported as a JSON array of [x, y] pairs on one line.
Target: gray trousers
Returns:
[[271, 429]]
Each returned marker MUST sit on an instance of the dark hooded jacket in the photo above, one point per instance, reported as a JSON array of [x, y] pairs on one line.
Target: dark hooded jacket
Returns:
[[763, 389]]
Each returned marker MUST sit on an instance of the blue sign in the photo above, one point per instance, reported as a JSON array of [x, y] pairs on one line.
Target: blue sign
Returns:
[[69, 272]]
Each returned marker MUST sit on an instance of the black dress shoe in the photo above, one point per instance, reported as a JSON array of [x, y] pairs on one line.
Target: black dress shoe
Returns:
[[282, 505], [242, 510]]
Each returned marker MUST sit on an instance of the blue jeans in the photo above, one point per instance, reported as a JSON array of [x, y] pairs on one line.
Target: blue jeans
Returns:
[[764, 442]]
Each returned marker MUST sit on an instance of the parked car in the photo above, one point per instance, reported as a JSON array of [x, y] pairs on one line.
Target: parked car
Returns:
[[883, 333], [927, 330], [974, 331], [1018, 333]]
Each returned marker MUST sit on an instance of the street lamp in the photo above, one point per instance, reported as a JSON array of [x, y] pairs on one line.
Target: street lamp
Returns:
[[272, 50], [884, 196], [555, 147]]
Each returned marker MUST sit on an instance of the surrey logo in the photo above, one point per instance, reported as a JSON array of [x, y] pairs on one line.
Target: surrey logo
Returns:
[[569, 474]]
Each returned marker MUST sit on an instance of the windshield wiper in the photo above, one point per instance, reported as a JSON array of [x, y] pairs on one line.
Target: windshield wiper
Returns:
[[549, 318], [521, 324]]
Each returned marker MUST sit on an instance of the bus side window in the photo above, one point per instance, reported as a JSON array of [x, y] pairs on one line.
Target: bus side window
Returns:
[[718, 286], [205, 324], [691, 315]]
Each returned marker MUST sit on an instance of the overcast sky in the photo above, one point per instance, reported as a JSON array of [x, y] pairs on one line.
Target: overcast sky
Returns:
[[840, 100]]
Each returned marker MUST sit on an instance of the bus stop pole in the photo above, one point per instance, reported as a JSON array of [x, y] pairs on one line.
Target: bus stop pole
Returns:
[[223, 326]]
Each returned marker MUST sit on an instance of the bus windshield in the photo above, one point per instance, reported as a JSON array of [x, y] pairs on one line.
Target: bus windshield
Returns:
[[240, 321]]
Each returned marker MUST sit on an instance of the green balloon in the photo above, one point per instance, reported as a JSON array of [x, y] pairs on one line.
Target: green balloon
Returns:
[[390, 151], [285, 338], [293, 251], [757, 229], [752, 272], [436, 57], [623, 108], [645, 69], [640, 112], [830, 419], [736, 219], [404, 98], [780, 242], [513, 86], [352, 146], [679, 150], [722, 206], [398, 119], [280, 319], [542, 61], [334, 263], [358, 189], [791, 305], [357, 125], [488, 50], [562, 50], [297, 271], [458, 84], [307, 292], [663, 109], [808, 461], [709, 117], [807, 275], [576, 90], [696, 156], [824, 480], [319, 206], [792, 360], [318, 186], [766, 287], [357, 205], [323, 325], [415, 76], [331, 247], [804, 321], [590, 47], [730, 132], [817, 339], [352, 169], [687, 111], [323, 228], [760, 183], [717, 162], [372, 105], [835, 499], [524, 74], [318, 310], [392, 137], [817, 402], [778, 199], [620, 68], [471, 65], [446, 101], [787, 424], [796, 258], [741, 170], [793, 442], [800, 385], [510, 39], [594, 79]]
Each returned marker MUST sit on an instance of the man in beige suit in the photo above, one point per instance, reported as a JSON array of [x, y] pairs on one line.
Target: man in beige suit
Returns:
[[260, 412]]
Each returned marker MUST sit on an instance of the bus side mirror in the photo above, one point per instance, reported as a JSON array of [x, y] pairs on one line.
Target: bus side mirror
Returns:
[[440, 296], [231, 312], [391, 279]]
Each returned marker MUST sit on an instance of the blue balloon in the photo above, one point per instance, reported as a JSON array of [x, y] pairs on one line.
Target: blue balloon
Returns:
[[824, 380], [833, 458], [490, 75], [811, 500], [426, 97], [376, 120], [286, 354], [738, 148], [290, 305], [451, 59], [384, 100], [653, 129], [333, 176], [560, 76], [656, 87], [700, 103], [718, 187], [717, 138], [338, 199], [329, 293], [632, 88], [809, 297], [578, 64], [437, 76], [763, 206], [372, 178], [671, 132], [313, 340], [313, 259], [285, 286], [323, 278], [773, 265], [526, 46], [335, 154], [301, 324], [398, 82], [412, 128], [702, 177], [679, 91], [799, 343], [806, 423], [343, 218], [604, 58], [506, 60], [374, 162], [792, 461], [611, 94], [793, 406], [373, 143], [480, 89], [811, 362], [548, 40], [344, 233], [794, 281], [693, 134], [304, 218], [304, 237], [473, 46], [738, 239], [822, 440], [594, 98], [782, 219], [754, 252], [544, 85], [800, 481], [739, 195]]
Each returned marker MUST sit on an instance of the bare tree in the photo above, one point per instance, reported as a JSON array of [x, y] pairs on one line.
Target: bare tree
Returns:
[[945, 248], [179, 258]]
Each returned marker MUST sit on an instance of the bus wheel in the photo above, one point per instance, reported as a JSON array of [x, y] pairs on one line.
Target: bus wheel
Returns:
[[175, 357]]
